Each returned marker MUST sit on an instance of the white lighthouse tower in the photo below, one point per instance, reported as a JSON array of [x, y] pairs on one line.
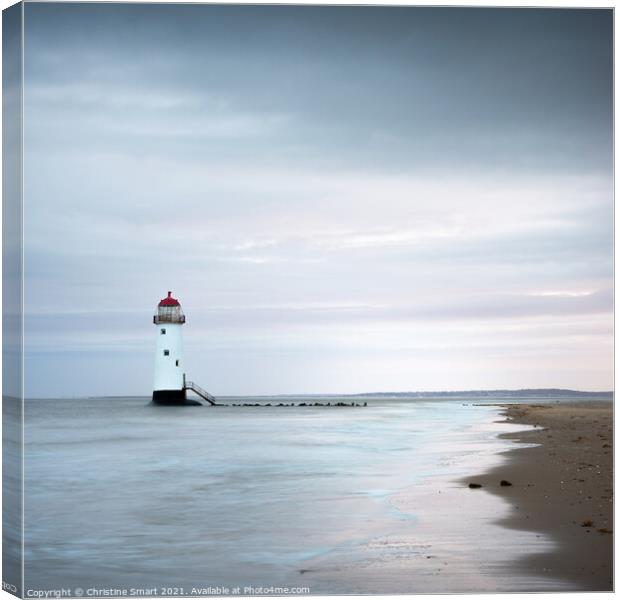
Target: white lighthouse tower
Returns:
[[169, 385]]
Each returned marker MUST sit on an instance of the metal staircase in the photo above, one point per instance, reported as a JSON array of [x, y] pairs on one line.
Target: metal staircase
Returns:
[[190, 385]]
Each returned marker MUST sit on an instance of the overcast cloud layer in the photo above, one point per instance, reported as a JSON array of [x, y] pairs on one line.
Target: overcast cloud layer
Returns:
[[345, 199]]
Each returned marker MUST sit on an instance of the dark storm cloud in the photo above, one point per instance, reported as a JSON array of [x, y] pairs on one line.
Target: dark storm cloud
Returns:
[[436, 86]]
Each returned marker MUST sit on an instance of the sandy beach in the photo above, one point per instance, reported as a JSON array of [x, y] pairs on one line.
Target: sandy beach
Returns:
[[562, 487]]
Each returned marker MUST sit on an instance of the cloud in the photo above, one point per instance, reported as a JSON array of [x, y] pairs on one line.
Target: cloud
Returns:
[[323, 188]]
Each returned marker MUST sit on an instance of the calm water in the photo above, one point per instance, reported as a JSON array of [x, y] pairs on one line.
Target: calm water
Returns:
[[121, 493]]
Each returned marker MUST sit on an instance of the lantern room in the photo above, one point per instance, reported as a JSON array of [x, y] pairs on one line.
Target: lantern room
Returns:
[[169, 311]]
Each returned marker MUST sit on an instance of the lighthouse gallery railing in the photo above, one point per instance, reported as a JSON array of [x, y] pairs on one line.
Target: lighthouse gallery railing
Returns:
[[157, 319]]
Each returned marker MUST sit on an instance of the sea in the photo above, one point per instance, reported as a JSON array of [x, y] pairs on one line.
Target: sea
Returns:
[[126, 498]]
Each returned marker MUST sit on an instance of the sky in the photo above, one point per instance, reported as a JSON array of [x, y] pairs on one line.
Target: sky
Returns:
[[344, 199]]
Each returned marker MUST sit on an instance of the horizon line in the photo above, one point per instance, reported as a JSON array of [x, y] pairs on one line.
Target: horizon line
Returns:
[[419, 393]]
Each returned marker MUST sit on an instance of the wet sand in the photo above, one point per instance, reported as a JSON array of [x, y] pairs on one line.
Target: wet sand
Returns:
[[448, 538], [562, 488]]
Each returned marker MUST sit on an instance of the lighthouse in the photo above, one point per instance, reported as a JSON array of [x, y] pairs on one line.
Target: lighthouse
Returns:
[[169, 384]]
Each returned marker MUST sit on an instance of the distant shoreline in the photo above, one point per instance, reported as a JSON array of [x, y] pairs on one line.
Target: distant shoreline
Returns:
[[529, 392]]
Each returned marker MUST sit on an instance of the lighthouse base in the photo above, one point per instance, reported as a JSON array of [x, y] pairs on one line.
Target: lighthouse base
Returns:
[[172, 398]]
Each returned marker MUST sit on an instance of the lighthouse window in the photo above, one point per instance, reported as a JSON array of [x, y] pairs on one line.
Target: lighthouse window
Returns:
[[176, 363], [163, 332], [166, 352]]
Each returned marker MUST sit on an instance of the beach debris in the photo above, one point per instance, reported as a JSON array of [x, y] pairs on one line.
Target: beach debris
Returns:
[[474, 486], [587, 523], [505, 483]]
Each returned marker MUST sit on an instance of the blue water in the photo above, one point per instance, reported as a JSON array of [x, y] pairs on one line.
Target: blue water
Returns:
[[122, 493]]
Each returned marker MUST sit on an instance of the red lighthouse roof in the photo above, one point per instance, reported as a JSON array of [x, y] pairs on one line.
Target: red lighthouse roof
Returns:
[[169, 301]]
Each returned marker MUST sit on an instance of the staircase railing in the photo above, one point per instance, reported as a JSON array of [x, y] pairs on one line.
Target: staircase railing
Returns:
[[190, 385]]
